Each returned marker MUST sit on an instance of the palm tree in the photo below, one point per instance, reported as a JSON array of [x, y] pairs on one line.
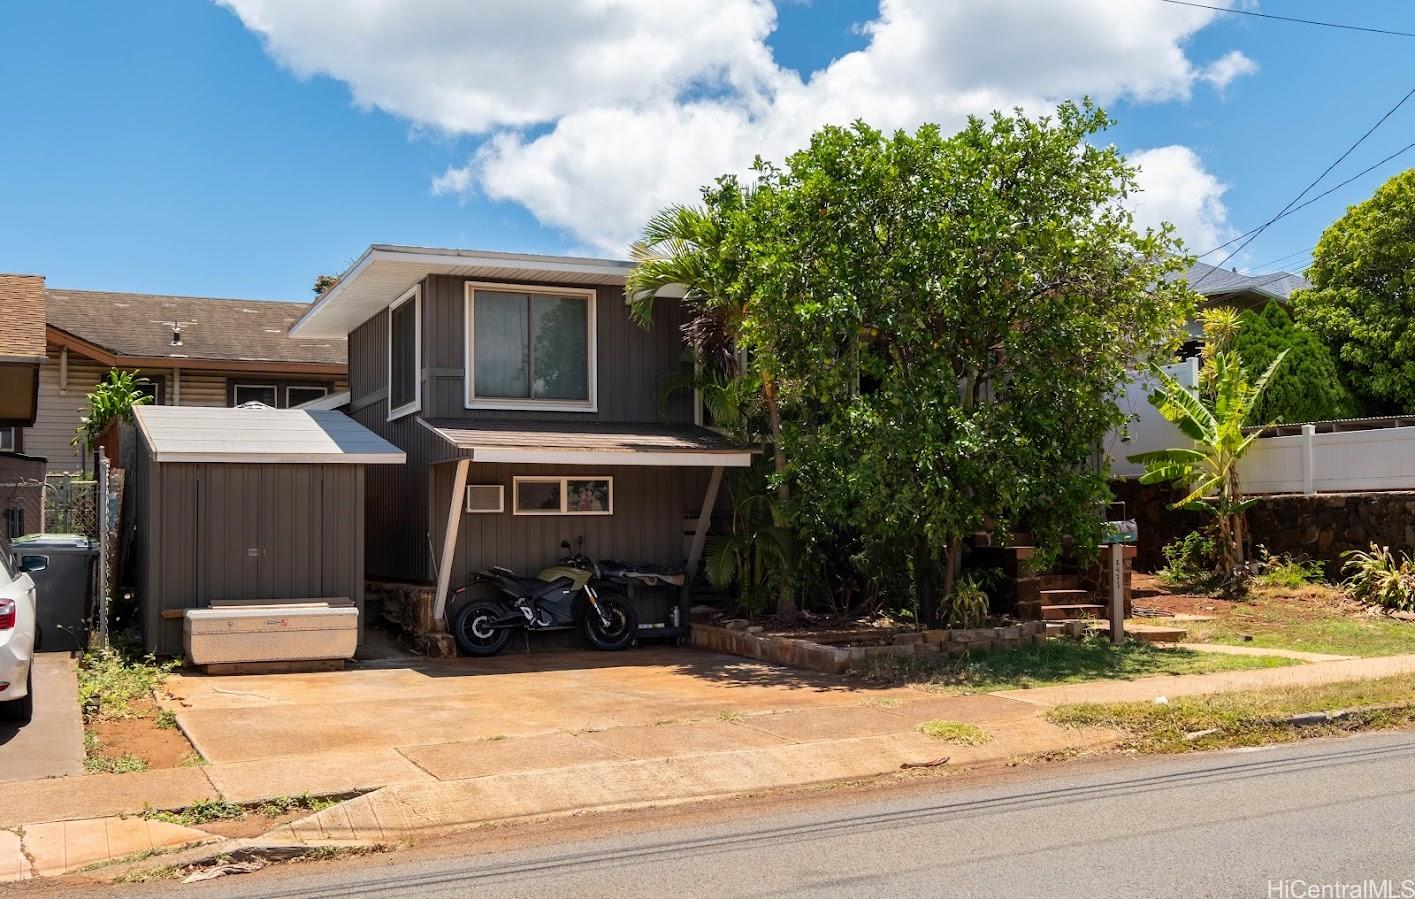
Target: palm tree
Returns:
[[695, 247], [1215, 423]]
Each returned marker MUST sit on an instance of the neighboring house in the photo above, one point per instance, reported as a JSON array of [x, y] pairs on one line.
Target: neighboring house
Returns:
[[1224, 287], [21, 352], [527, 403], [195, 351]]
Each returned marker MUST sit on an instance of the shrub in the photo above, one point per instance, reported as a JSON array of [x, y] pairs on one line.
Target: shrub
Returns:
[[1288, 571], [110, 681], [1189, 562], [1381, 578], [969, 605]]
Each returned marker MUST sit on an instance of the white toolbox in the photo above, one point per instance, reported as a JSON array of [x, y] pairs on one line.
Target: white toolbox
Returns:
[[270, 633]]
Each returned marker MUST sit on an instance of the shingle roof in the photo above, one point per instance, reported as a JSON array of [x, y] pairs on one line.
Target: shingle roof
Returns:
[[1211, 281], [22, 312], [136, 324]]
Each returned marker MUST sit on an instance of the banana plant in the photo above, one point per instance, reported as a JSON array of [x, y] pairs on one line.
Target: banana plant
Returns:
[[1209, 468], [112, 398]]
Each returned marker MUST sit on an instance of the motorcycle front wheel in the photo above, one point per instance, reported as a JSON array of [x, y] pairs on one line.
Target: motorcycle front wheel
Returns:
[[622, 625], [473, 631]]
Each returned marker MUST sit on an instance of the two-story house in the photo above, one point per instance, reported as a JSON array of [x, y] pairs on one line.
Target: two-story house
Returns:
[[192, 351], [526, 401]]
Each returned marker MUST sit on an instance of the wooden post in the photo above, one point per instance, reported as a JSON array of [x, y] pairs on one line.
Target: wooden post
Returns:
[[695, 550], [449, 539], [1117, 593]]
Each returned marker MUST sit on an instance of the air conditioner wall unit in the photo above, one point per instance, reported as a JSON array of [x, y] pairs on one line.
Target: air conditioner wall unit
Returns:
[[486, 498]]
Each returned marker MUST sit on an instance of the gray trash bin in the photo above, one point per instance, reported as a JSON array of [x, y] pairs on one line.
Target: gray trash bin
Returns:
[[63, 590]]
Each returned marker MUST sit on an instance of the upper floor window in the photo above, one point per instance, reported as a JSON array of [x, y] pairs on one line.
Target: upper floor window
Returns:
[[530, 348], [299, 394], [405, 353]]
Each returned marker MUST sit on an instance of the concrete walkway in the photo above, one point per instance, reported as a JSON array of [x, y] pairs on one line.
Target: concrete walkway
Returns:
[[52, 743], [59, 847]]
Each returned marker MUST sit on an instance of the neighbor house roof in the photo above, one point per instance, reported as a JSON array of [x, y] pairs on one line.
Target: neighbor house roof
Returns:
[[259, 434], [143, 325], [385, 272], [22, 311], [564, 443], [1212, 281]]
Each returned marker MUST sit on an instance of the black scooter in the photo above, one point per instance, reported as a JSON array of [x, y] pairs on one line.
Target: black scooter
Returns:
[[565, 595]]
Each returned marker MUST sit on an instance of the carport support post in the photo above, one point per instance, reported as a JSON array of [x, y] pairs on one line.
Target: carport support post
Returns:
[[695, 550], [449, 539]]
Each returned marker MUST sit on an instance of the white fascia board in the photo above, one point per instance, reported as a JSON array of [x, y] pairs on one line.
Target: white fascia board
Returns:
[[397, 458], [608, 457]]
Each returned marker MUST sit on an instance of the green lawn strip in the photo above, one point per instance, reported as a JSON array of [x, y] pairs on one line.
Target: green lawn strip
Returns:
[[1052, 662], [958, 732], [1250, 718], [1309, 624]]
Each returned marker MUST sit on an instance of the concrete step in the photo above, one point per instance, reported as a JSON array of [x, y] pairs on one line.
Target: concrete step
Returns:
[[1072, 611], [1059, 581]]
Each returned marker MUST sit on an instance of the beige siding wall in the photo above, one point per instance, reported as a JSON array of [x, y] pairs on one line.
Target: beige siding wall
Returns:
[[60, 408]]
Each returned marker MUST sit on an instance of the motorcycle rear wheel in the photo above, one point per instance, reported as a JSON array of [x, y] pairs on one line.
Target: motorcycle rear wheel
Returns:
[[623, 626], [473, 632]]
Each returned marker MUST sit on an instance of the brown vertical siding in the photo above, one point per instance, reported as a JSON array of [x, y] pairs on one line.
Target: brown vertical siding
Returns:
[[234, 531]]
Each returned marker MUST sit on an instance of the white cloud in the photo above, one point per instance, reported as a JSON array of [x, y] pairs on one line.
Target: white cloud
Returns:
[[1177, 189], [595, 113], [1227, 67]]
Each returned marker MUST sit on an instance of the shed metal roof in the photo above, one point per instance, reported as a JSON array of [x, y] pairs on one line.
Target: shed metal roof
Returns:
[[261, 435]]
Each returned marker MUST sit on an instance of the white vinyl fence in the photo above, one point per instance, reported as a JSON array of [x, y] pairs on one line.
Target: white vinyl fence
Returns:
[[1334, 461], [1339, 462]]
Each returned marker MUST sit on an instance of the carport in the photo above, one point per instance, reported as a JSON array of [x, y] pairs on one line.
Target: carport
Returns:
[[246, 504]]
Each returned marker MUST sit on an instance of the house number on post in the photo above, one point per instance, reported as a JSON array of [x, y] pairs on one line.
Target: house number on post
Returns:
[[1117, 593]]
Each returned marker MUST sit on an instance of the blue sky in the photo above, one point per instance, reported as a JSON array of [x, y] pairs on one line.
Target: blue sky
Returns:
[[169, 146]]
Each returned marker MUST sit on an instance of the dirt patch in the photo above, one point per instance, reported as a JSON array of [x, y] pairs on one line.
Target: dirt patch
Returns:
[[141, 737], [1152, 595], [253, 824]]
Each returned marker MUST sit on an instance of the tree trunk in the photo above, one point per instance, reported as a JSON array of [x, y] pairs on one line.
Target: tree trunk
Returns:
[[786, 609]]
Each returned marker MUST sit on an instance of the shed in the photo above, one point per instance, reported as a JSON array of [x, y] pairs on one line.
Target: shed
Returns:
[[246, 504]]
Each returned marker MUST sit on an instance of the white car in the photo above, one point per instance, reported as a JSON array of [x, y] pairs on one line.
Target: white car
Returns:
[[17, 630]]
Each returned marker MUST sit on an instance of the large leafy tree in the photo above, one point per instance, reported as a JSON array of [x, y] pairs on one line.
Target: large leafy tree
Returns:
[[1307, 387], [949, 317], [1362, 302]]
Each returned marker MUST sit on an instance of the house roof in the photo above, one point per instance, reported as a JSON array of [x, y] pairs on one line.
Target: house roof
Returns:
[[22, 311], [385, 272], [141, 325], [565, 443], [1212, 281], [259, 434]]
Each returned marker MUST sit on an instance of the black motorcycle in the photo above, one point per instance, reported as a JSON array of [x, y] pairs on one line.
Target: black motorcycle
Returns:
[[565, 595]]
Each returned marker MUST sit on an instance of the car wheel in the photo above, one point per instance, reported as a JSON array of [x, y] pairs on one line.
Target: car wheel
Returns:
[[20, 710]]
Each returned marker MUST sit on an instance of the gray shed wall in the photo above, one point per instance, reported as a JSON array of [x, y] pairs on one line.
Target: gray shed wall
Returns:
[[209, 531]]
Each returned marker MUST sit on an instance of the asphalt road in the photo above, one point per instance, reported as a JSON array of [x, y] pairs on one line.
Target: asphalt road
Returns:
[[1225, 825]]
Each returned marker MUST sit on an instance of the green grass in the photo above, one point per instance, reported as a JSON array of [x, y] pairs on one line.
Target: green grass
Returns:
[[1251, 718], [1309, 619], [200, 812], [304, 802], [956, 732], [1052, 662]]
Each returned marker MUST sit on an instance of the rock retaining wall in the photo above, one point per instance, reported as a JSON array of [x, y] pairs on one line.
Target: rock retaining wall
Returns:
[[409, 607], [1318, 527], [797, 652]]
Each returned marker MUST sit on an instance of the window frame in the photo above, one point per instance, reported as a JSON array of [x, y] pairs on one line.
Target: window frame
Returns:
[[470, 400], [415, 295], [324, 388], [15, 444], [563, 481], [237, 385]]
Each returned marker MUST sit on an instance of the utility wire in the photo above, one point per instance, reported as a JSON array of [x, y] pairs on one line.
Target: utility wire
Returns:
[[1326, 193], [1295, 254], [1326, 171], [1263, 15]]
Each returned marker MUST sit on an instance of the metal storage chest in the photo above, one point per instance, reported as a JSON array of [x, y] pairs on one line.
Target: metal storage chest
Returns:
[[226, 635]]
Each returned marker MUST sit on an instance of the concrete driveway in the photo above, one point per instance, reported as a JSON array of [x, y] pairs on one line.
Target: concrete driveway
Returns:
[[52, 743]]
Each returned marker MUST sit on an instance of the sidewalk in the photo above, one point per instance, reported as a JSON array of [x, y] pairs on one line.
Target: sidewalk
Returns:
[[414, 791]]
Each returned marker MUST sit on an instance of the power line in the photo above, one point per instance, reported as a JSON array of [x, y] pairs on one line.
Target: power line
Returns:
[[1263, 15], [1326, 171], [1326, 193], [1295, 254]]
